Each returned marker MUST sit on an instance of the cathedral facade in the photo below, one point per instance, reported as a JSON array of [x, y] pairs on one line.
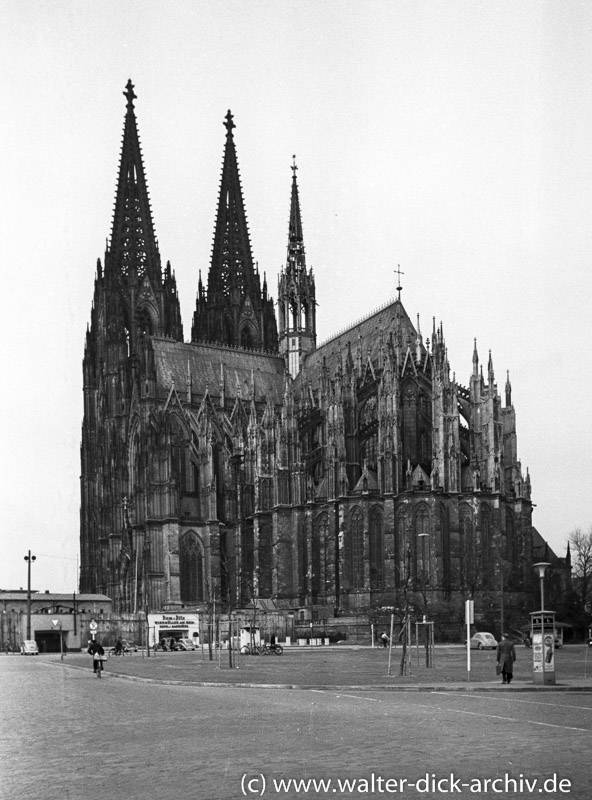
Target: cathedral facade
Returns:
[[253, 464]]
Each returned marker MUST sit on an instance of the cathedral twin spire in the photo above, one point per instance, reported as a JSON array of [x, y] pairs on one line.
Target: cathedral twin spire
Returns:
[[136, 301], [235, 310], [133, 248], [232, 261]]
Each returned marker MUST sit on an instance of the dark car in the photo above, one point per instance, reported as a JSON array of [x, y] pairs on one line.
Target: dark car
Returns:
[[126, 647]]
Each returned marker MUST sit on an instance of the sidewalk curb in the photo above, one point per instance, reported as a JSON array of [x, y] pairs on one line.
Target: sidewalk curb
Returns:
[[483, 688]]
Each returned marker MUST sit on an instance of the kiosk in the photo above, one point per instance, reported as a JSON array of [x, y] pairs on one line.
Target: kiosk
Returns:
[[542, 633]]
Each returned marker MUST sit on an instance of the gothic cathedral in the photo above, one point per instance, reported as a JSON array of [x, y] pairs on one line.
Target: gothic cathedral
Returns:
[[252, 463]]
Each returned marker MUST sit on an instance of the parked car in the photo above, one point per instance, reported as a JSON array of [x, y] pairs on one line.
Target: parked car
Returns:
[[483, 641], [29, 648], [185, 644]]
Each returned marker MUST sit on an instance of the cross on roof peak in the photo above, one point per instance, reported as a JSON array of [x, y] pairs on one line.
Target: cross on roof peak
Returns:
[[399, 287]]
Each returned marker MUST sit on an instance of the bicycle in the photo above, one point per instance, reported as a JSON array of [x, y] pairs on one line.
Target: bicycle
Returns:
[[268, 649], [251, 650]]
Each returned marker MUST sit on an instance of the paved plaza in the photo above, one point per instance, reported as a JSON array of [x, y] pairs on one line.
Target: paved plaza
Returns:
[[173, 726]]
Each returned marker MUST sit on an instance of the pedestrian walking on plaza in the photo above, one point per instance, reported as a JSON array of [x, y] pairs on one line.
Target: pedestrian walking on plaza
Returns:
[[384, 639], [506, 655], [97, 652]]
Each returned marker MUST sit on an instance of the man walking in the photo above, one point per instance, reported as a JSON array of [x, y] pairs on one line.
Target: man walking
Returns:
[[506, 655]]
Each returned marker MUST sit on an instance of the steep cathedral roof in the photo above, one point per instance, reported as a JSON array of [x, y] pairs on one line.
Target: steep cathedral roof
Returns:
[[215, 369], [365, 339]]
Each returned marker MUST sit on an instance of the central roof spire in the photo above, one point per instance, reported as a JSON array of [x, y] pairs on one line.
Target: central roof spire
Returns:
[[295, 235]]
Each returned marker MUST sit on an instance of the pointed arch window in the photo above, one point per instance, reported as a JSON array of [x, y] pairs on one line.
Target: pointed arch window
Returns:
[[485, 546], [422, 544], [247, 562], [376, 549], [468, 556], [227, 334], [369, 451], [179, 454], [265, 560], [145, 323], [319, 571], [294, 312], [246, 338], [356, 537], [402, 550], [191, 567]]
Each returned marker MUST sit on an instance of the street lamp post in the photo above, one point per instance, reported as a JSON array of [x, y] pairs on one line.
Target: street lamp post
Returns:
[[501, 596], [404, 668], [540, 570], [424, 574], [424, 580], [29, 558]]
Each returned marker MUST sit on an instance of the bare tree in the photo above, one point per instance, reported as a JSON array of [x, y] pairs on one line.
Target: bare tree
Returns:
[[580, 544]]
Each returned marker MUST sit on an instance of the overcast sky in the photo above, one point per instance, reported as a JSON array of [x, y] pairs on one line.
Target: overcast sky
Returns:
[[452, 138]]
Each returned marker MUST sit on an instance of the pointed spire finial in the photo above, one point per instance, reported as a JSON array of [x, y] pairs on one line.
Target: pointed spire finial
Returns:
[[294, 167], [130, 94], [229, 123], [399, 287]]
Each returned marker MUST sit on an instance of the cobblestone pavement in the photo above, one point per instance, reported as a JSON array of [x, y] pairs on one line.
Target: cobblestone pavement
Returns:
[[66, 734]]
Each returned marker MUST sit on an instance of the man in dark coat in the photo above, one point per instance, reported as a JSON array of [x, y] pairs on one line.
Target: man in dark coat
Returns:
[[96, 651], [506, 655]]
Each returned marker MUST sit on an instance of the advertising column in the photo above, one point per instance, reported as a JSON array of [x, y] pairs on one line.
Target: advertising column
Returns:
[[543, 647]]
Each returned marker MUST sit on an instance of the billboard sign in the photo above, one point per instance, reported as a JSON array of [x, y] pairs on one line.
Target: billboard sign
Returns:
[[178, 626]]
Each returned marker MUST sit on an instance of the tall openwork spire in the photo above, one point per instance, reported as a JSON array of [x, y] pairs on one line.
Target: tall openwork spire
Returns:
[[295, 236], [133, 250], [297, 304], [234, 311], [232, 262]]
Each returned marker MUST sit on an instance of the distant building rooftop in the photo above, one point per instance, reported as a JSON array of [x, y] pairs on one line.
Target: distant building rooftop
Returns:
[[21, 594]]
